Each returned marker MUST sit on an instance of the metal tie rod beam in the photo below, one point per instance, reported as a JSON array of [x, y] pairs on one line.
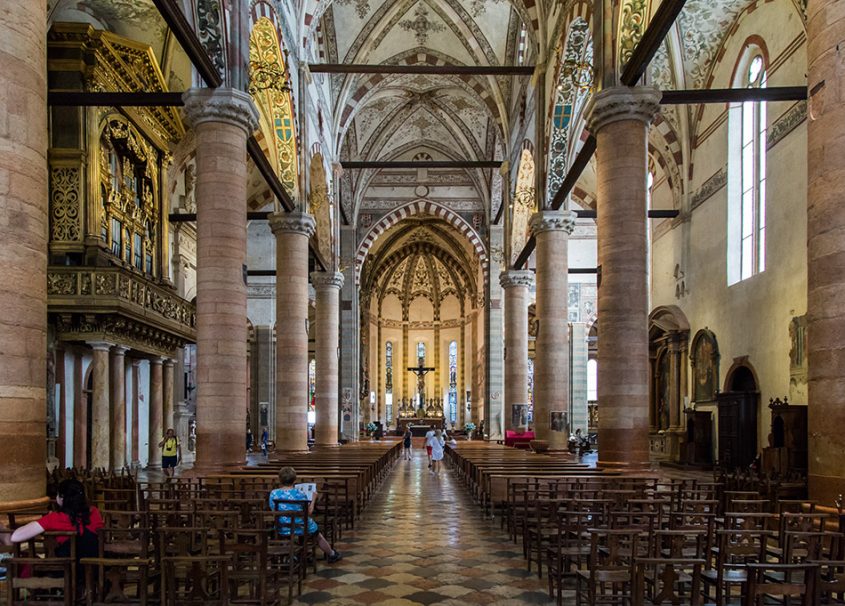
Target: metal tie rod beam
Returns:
[[443, 70]]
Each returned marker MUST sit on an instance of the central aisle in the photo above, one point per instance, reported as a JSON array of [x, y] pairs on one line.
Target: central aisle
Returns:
[[423, 541]]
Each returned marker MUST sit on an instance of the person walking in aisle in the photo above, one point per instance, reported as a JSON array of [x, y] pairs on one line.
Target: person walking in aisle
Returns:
[[428, 437], [171, 452], [406, 442], [437, 446]]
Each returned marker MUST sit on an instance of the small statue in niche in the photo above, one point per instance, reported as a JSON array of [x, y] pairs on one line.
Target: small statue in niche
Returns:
[[190, 203]]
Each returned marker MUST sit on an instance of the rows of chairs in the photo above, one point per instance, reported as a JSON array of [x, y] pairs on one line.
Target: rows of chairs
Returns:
[[630, 540], [206, 540]]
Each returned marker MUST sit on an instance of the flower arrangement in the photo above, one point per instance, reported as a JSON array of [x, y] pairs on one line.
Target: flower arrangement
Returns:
[[371, 427], [469, 426]]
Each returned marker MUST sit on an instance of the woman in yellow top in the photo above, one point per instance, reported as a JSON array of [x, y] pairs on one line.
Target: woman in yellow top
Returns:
[[171, 452]]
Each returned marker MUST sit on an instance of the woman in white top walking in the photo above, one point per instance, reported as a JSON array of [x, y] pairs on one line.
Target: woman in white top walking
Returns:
[[437, 443]]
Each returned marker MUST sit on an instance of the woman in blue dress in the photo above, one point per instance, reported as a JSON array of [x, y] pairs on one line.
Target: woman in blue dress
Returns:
[[288, 492]]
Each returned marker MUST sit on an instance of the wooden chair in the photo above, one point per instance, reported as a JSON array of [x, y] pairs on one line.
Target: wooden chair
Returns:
[[675, 581], [286, 554], [609, 578], [109, 580], [294, 522], [736, 550], [785, 586], [198, 580], [252, 580], [569, 548], [37, 576]]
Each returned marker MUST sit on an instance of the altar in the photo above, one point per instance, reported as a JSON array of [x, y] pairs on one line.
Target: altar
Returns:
[[418, 425]]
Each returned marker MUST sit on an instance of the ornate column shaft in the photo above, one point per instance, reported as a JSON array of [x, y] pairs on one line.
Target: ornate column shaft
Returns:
[[222, 119], [156, 413], [516, 284], [118, 406], [100, 413], [327, 285], [551, 230], [167, 396], [292, 231], [619, 118], [826, 250], [24, 209]]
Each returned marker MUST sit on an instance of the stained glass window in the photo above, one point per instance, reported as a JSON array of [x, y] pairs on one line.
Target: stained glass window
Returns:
[[453, 381], [421, 353]]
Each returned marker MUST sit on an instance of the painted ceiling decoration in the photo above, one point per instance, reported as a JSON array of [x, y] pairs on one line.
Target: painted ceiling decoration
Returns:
[[320, 205], [523, 203], [574, 84], [273, 101]]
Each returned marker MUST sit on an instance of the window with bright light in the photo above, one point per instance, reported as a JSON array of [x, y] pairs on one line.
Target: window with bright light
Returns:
[[747, 177], [388, 381], [592, 380], [453, 382]]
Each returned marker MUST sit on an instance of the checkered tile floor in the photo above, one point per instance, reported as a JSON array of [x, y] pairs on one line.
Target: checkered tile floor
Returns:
[[423, 541]]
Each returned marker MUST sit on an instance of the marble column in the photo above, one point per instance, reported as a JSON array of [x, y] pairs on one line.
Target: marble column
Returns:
[[23, 253], [100, 409], [80, 414], [167, 395], [551, 230], [292, 231], [156, 413], [619, 119], [222, 119], [825, 249], [516, 284], [136, 415], [327, 317], [118, 406]]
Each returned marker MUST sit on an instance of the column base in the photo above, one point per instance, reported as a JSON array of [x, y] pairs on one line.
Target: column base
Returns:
[[294, 451], [326, 446], [40, 503], [624, 466]]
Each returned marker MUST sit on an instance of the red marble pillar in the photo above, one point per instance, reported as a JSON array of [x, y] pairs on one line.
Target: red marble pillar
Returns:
[[222, 119], [23, 253], [619, 119]]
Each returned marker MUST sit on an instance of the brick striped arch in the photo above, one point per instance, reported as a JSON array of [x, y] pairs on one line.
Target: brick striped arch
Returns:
[[263, 8], [419, 207]]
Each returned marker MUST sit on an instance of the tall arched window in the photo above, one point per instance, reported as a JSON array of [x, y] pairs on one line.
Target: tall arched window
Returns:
[[421, 353], [312, 391], [747, 175], [592, 381], [453, 381], [388, 381]]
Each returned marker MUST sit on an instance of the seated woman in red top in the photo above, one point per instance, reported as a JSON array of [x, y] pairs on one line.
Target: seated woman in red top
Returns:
[[74, 515]]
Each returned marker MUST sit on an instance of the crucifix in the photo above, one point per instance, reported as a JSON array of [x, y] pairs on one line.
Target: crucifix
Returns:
[[420, 371]]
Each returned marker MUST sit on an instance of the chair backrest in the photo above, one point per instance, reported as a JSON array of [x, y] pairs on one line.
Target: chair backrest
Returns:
[[292, 517], [781, 581]]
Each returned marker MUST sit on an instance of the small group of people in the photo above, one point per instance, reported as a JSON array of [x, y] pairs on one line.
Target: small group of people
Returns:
[[264, 443]]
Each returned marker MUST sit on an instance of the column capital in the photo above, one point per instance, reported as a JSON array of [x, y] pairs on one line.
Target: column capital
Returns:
[[516, 277], [228, 105], [552, 220], [157, 360], [292, 223], [622, 103], [100, 345], [326, 279], [169, 362], [120, 350]]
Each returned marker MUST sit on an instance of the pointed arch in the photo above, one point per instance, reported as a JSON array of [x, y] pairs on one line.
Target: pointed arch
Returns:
[[418, 207]]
